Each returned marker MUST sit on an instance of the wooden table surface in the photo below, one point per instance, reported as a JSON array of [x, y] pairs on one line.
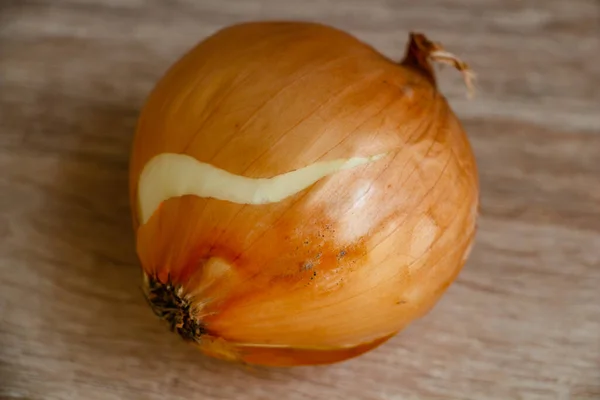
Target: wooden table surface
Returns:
[[521, 322]]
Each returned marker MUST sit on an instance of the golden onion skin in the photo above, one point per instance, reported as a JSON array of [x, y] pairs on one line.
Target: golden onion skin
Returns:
[[339, 267]]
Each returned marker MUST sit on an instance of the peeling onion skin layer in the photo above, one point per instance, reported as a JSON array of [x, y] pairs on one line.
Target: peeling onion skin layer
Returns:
[[336, 268]]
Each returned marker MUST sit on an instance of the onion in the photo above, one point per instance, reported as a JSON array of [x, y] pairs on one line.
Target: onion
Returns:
[[298, 197]]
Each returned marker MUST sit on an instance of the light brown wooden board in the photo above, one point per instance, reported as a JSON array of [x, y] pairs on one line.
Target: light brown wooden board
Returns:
[[521, 322]]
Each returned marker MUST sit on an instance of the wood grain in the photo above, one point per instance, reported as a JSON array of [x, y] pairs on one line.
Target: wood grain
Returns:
[[521, 322]]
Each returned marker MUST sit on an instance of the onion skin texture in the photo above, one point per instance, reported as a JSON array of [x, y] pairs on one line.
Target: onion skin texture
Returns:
[[333, 270]]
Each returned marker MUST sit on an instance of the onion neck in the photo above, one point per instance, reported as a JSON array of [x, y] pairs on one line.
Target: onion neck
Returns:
[[420, 51], [169, 302]]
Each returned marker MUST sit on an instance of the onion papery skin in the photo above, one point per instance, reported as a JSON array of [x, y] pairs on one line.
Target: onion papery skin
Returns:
[[336, 268]]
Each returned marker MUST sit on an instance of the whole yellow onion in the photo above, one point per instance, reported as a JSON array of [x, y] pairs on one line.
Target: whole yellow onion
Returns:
[[298, 197]]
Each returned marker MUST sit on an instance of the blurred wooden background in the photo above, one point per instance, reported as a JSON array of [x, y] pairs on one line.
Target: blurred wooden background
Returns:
[[521, 322]]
